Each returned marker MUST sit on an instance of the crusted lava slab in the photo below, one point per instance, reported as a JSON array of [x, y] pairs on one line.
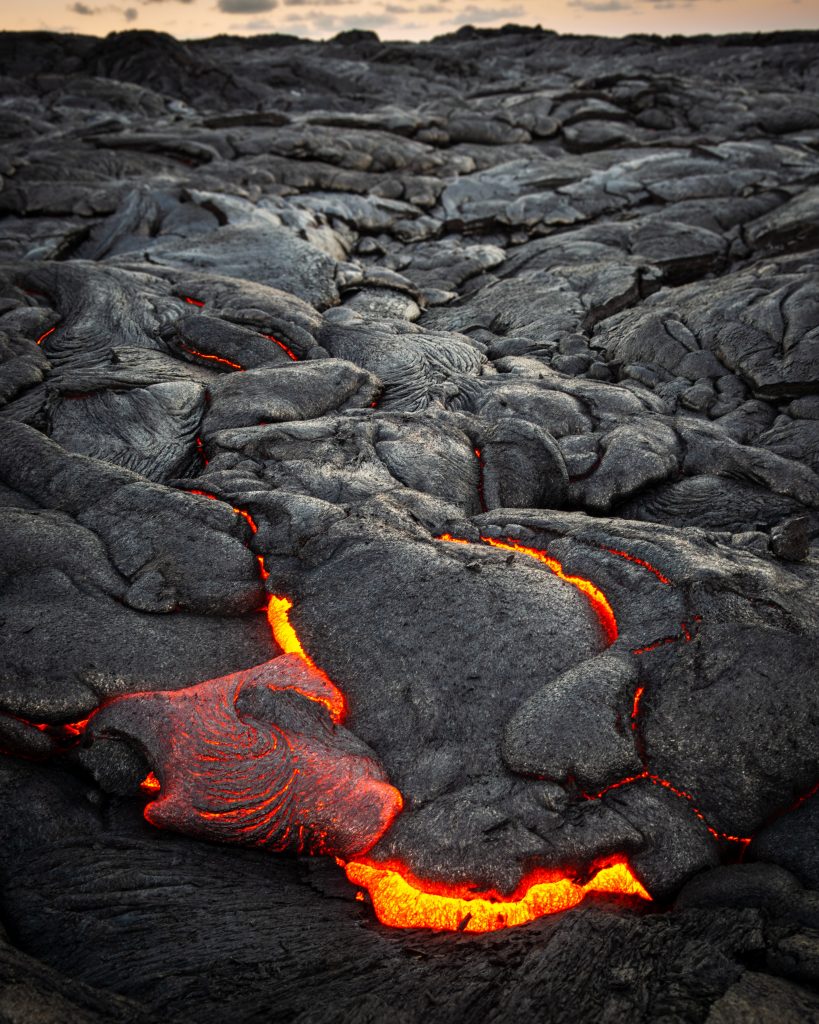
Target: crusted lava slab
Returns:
[[409, 455]]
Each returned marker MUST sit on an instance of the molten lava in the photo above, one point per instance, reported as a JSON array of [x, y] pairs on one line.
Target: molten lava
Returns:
[[595, 595], [212, 358], [642, 563], [278, 615], [248, 518], [656, 780], [43, 337], [287, 351], [635, 710], [481, 494], [402, 903], [150, 784], [200, 448], [241, 761]]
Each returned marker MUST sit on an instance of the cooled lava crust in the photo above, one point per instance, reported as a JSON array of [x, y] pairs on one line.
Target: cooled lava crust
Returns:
[[408, 472]]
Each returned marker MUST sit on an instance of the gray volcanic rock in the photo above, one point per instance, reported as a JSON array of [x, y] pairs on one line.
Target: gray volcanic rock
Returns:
[[488, 369]]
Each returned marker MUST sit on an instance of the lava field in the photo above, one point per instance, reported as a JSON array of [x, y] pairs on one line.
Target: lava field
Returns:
[[409, 576]]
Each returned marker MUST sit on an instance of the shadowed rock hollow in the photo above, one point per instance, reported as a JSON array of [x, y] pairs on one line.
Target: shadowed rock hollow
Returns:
[[408, 453]]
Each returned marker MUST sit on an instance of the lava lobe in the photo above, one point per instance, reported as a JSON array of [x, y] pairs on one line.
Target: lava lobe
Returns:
[[255, 758]]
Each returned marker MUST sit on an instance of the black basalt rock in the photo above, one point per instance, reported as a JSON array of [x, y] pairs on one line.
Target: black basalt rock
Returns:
[[409, 460]]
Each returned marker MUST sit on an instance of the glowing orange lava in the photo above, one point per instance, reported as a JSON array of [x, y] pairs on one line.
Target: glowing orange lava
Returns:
[[641, 562], [207, 355], [481, 494], [402, 903], [595, 595], [278, 615], [656, 780], [150, 784], [638, 696], [685, 633], [287, 351], [248, 518], [43, 337], [193, 302], [200, 447]]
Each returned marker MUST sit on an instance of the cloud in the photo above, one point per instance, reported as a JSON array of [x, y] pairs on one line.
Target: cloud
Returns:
[[322, 22], [431, 9], [78, 7], [253, 25], [397, 9], [599, 6], [317, 3], [246, 6], [474, 15], [165, 1]]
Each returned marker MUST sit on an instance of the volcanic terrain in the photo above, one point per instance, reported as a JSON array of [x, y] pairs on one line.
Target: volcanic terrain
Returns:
[[409, 492]]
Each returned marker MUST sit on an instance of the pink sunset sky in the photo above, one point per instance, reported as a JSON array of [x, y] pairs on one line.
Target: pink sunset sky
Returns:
[[408, 19]]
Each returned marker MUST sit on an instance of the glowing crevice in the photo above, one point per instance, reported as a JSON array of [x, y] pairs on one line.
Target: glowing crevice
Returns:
[[400, 901], [481, 493], [642, 563], [278, 615], [687, 633], [200, 448], [287, 351], [657, 780], [594, 594], [635, 710], [43, 337], [211, 358], [150, 784], [248, 518]]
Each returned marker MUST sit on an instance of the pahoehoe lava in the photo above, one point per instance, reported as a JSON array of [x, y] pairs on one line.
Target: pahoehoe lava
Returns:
[[409, 492]]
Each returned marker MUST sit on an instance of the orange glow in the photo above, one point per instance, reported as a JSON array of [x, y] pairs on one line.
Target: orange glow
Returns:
[[239, 511], [685, 633], [287, 351], [640, 562], [656, 780], [248, 518], [66, 733], [200, 447], [192, 302], [595, 595], [278, 615], [638, 696], [400, 902], [206, 355], [262, 571], [43, 337], [150, 784], [481, 495], [74, 728]]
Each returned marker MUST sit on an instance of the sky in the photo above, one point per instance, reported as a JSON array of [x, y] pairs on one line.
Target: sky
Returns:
[[407, 19]]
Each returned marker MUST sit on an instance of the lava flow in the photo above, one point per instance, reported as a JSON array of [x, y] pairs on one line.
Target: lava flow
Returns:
[[212, 358], [287, 351], [402, 903], [595, 595], [278, 615], [43, 337]]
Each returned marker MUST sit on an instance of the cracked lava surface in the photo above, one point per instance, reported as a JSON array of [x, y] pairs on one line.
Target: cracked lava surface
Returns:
[[408, 517]]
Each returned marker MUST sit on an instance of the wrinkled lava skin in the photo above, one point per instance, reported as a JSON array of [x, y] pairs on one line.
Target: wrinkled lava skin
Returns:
[[254, 758]]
